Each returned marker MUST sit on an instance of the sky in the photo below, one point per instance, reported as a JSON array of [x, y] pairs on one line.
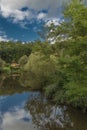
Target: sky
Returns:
[[20, 20]]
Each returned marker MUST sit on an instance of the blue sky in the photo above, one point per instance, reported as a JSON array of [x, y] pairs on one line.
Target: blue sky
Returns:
[[18, 31], [21, 19]]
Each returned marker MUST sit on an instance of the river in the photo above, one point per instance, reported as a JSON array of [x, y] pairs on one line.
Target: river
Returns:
[[21, 109]]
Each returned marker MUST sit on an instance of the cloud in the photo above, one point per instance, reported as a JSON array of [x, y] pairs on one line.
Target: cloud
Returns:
[[41, 15], [55, 21], [3, 37], [15, 120], [16, 14], [2, 98], [35, 9]]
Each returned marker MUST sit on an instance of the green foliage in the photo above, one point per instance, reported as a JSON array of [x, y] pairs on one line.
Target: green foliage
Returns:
[[43, 47], [7, 69], [41, 69], [76, 12], [50, 90], [72, 69], [76, 94], [10, 51], [72, 56], [2, 64], [23, 60], [74, 24]]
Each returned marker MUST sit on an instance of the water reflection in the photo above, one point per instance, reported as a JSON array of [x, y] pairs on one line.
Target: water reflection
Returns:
[[2, 77], [11, 85], [15, 120], [21, 109], [47, 116], [13, 115]]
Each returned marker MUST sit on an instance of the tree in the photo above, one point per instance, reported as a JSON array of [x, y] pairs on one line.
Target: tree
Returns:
[[74, 24], [40, 70], [72, 63], [10, 51], [23, 60], [76, 13]]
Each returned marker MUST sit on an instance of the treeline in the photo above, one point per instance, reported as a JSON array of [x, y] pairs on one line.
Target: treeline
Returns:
[[12, 51]]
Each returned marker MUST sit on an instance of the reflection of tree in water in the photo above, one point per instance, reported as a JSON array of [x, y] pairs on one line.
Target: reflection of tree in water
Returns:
[[24, 79], [2, 78], [78, 118], [11, 85], [46, 116]]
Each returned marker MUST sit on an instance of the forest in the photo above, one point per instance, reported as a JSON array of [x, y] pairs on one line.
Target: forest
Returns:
[[59, 69]]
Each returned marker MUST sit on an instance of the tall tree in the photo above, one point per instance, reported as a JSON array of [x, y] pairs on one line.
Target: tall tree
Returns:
[[75, 21]]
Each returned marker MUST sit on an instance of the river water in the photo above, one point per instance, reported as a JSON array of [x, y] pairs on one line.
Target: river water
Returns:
[[21, 109]]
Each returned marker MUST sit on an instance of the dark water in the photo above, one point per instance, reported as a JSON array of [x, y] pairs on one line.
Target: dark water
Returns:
[[21, 109]]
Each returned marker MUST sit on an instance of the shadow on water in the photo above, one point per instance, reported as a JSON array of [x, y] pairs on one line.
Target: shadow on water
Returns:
[[21, 109]]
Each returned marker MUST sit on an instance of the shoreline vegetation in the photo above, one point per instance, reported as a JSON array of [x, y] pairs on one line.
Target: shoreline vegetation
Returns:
[[59, 69]]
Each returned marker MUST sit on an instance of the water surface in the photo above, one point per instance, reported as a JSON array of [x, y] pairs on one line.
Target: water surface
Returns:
[[21, 109]]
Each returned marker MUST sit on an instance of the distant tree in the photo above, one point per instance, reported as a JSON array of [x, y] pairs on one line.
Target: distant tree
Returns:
[[10, 51]]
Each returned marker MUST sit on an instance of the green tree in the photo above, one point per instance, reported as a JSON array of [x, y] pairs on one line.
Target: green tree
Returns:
[[40, 70], [10, 51], [76, 13], [72, 54], [74, 24], [23, 60]]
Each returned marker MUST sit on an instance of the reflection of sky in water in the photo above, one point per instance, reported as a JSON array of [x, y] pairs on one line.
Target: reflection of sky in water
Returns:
[[2, 98], [14, 116], [31, 111], [15, 120], [12, 113], [9, 102]]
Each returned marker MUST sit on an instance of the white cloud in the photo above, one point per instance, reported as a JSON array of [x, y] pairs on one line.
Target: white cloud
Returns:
[[55, 21], [13, 120], [16, 14], [41, 16], [35, 9], [3, 37], [13, 9]]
